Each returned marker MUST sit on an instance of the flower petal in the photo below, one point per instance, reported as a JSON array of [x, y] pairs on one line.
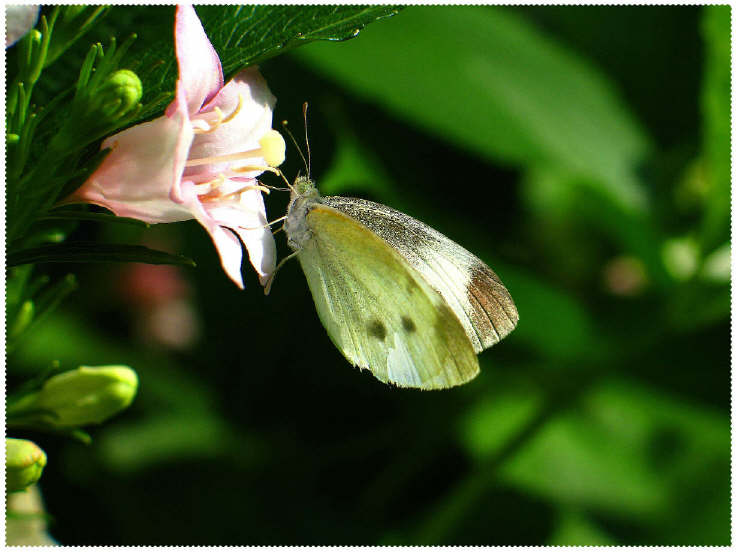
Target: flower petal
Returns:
[[137, 177], [248, 91], [247, 217], [18, 21], [199, 66], [227, 244], [230, 251]]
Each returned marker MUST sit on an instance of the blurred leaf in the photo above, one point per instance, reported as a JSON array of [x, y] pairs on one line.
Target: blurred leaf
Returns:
[[680, 256], [162, 437], [491, 422], [356, 168], [245, 35], [716, 266], [497, 86], [716, 109], [562, 195], [551, 321], [697, 304], [626, 450], [575, 529], [92, 252]]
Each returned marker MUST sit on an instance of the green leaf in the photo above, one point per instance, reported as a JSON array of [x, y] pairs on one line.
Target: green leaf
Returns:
[[40, 306], [631, 451], [716, 108], [577, 529], [50, 297], [497, 86], [91, 252], [493, 421], [74, 22], [93, 217], [245, 35], [555, 324]]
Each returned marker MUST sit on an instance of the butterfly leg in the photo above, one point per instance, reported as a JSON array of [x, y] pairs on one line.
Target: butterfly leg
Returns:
[[267, 289]]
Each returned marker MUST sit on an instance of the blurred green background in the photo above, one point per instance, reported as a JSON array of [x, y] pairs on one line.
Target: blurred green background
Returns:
[[583, 153]]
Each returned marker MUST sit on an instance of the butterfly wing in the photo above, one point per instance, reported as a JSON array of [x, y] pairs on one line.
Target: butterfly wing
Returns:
[[471, 289], [378, 310]]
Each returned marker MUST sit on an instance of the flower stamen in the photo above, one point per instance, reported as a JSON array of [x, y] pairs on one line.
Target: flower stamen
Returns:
[[272, 150], [235, 111], [210, 185], [211, 126]]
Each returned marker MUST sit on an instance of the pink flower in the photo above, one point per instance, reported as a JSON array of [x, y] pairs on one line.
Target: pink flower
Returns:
[[200, 160]]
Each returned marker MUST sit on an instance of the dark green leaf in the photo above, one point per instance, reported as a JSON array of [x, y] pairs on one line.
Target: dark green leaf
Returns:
[[245, 35], [94, 217], [90, 252]]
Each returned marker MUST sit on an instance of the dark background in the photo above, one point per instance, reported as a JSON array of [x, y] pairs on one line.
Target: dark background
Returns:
[[602, 419]]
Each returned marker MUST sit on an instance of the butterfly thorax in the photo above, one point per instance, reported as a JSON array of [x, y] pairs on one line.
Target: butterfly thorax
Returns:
[[303, 196]]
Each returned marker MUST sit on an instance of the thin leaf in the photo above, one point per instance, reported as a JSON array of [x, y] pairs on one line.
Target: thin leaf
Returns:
[[50, 298], [91, 252], [75, 21], [94, 217]]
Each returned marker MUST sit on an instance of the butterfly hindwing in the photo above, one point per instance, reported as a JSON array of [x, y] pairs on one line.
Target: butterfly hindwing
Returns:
[[378, 310], [469, 287]]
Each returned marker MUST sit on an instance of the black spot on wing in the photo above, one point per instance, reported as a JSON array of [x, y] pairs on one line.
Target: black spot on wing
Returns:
[[377, 329], [408, 324]]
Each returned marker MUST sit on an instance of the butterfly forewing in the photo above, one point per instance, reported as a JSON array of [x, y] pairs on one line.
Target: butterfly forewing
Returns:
[[468, 286], [378, 310]]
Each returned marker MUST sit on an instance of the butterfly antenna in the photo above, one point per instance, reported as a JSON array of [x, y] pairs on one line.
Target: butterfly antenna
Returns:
[[306, 139], [285, 124]]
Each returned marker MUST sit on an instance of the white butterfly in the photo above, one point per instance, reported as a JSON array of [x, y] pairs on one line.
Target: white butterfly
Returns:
[[395, 296]]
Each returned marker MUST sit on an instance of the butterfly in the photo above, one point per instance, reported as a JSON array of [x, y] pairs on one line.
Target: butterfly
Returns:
[[395, 296]]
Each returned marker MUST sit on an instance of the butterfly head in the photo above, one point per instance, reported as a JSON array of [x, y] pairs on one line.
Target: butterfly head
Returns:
[[304, 187]]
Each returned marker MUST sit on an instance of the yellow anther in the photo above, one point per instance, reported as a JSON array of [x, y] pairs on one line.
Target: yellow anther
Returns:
[[273, 148]]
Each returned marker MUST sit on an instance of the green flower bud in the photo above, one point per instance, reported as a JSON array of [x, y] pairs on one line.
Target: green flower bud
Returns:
[[24, 462], [117, 96], [98, 111], [87, 395]]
